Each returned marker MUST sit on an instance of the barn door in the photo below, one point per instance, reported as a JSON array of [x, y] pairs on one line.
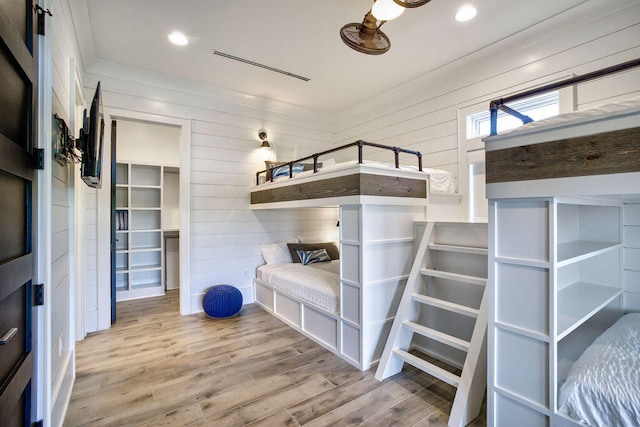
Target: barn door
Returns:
[[18, 126]]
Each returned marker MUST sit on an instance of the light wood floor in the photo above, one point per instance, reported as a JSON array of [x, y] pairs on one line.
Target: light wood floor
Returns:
[[154, 367]]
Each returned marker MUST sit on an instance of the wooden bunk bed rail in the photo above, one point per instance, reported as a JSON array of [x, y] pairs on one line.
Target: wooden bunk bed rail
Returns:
[[360, 144]]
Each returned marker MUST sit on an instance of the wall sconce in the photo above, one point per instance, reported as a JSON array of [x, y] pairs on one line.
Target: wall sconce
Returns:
[[265, 144], [367, 37]]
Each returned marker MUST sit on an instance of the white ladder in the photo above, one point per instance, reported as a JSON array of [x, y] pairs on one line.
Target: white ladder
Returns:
[[447, 254]]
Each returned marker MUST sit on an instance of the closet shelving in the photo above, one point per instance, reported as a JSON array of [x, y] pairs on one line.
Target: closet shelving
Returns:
[[139, 260], [556, 265]]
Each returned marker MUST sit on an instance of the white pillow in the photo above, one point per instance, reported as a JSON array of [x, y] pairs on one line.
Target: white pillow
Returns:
[[276, 253], [328, 162]]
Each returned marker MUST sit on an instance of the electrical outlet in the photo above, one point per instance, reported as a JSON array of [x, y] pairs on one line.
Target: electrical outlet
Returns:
[[246, 274]]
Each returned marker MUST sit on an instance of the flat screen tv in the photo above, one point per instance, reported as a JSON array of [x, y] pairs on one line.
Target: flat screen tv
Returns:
[[91, 139]]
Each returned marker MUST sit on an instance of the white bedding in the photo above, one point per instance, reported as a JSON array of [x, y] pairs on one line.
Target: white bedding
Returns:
[[603, 385], [317, 283], [630, 106], [439, 180]]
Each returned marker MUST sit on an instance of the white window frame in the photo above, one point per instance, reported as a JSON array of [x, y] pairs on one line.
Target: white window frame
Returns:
[[471, 153]]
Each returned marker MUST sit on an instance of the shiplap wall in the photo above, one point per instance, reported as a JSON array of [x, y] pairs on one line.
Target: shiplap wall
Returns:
[[225, 233], [54, 388], [90, 257]]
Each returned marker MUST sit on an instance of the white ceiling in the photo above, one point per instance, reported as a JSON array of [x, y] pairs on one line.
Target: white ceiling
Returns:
[[301, 37]]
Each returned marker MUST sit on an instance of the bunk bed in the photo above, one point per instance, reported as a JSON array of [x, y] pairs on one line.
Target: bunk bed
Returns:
[[319, 180], [564, 217], [351, 313]]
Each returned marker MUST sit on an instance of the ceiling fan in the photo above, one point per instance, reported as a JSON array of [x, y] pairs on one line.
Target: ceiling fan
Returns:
[[366, 37]]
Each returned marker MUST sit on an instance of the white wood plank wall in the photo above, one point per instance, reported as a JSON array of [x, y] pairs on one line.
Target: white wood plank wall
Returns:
[[91, 257], [225, 155], [59, 336]]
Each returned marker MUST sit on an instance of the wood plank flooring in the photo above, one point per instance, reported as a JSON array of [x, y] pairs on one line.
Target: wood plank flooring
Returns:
[[155, 367]]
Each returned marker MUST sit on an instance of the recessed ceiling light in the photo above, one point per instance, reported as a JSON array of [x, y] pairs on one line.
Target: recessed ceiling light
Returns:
[[178, 38], [466, 13]]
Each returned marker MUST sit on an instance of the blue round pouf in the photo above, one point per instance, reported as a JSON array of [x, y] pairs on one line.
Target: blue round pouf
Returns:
[[222, 301]]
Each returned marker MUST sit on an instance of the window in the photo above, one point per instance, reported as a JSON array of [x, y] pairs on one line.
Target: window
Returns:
[[537, 107]]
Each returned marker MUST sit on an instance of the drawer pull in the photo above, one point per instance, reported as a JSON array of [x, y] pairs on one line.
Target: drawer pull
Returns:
[[8, 335]]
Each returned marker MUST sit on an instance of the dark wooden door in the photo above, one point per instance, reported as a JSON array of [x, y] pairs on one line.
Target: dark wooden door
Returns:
[[113, 222], [18, 126]]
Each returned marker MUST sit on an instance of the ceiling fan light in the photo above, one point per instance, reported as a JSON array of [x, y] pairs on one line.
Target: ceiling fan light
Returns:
[[411, 3], [466, 13], [365, 37], [385, 10]]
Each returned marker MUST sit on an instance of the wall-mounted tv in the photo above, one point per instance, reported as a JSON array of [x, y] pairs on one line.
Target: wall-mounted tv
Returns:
[[91, 140]]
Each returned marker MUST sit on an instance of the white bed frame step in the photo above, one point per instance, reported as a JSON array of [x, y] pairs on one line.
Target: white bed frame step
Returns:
[[441, 246]]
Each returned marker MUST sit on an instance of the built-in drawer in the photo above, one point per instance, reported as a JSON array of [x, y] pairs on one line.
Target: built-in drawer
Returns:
[[321, 326], [288, 308], [264, 296]]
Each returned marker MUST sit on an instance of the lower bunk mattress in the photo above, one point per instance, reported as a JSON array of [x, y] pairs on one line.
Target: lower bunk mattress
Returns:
[[317, 284], [603, 385]]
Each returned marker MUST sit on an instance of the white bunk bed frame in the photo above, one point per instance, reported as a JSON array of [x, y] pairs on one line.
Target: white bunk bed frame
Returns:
[[557, 249], [376, 253]]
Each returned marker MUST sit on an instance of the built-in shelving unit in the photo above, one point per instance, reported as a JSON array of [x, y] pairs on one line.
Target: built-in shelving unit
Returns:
[[139, 251], [555, 269]]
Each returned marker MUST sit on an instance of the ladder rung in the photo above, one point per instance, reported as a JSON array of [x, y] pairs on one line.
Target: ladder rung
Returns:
[[454, 276], [446, 305], [429, 368], [437, 335], [459, 249]]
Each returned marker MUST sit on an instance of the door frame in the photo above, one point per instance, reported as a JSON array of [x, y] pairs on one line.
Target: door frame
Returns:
[[104, 202]]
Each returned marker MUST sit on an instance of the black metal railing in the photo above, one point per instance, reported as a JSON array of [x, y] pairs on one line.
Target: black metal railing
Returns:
[[360, 144], [499, 104]]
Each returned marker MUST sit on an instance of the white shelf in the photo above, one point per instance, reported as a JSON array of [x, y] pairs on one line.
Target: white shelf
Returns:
[[151, 187], [145, 249], [145, 268], [579, 250], [578, 302], [146, 285], [557, 270], [139, 194]]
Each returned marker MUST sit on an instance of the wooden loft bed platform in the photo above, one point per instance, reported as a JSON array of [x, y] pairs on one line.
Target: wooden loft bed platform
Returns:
[[353, 182], [594, 153], [587, 153]]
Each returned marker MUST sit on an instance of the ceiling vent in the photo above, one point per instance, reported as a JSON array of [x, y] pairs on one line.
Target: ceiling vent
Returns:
[[256, 64]]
